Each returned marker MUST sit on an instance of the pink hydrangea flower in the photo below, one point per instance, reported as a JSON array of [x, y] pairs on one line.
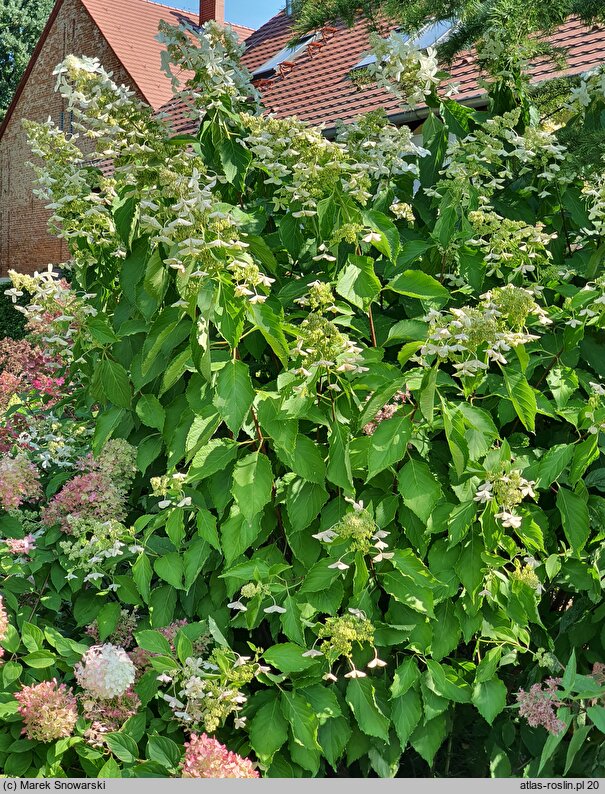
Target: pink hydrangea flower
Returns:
[[24, 367], [107, 716], [387, 412], [538, 706], [89, 495], [106, 671], [206, 757], [99, 492], [598, 672], [21, 545], [19, 482], [49, 710]]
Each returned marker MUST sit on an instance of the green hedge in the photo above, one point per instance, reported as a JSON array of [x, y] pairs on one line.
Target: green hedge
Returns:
[[12, 322]]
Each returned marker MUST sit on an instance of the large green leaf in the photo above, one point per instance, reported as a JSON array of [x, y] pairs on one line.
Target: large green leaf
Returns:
[[302, 719], [522, 397], [215, 456], [252, 484], [388, 444], [111, 381], [389, 242], [419, 488], [235, 159], [170, 569], [446, 635], [358, 283], [334, 736], [288, 657], [361, 697], [490, 698], [304, 500], [268, 729], [428, 737], [339, 462], [406, 712], [270, 325], [151, 411], [234, 394], [194, 560], [575, 518], [416, 284]]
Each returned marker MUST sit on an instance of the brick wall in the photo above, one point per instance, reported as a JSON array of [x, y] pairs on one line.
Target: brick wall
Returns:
[[25, 244]]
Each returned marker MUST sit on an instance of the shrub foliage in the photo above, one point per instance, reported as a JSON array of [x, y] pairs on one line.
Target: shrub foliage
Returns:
[[361, 381]]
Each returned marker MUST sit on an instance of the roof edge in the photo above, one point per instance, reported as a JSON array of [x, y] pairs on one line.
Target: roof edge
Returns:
[[120, 61], [28, 69]]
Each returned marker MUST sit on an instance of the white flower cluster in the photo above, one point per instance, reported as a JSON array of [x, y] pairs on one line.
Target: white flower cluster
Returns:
[[210, 58], [55, 312], [503, 53], [592, 86], [508, 489], [595, 193], [106, 671], [510, 245], [402, 69], [380, 149], [205, 691], [321, 346], [482, 163], [259, 591], [473, 337], [359, 530], [101, 108], [95, 546], [595, 412], [170, 489], [301, 164], [52, 441], [78, 212], [587, 307]]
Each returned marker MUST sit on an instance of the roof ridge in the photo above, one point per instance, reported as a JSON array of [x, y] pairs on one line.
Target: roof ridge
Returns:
[[193, 13]]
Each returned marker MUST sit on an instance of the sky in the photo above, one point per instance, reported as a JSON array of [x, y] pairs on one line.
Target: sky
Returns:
[[252, 13]]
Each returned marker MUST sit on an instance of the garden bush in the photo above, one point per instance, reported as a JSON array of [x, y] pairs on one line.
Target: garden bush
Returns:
[[313, 483], [12, 323]]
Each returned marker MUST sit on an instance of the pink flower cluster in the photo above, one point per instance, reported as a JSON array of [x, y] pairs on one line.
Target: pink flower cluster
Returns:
[[538, 705], [21, 545], [85, 496], [386, 412], [98, 493], [49, 710], [24, 367], [3, 625], [107, 716], [123, 634], [598, 673], [206, 757], [19, 482], [142, 658]]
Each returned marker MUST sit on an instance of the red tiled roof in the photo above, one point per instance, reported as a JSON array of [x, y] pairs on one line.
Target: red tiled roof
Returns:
[[130, 27], [318, 88]]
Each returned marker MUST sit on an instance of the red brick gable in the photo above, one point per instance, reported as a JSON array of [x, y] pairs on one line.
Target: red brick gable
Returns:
[[129, 28]]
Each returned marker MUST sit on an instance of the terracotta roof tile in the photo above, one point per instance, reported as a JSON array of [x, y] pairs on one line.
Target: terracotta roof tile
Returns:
[[318, 89], [130, 27]]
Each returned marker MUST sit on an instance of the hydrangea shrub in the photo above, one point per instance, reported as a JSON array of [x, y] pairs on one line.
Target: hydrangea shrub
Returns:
[[322, 491]]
